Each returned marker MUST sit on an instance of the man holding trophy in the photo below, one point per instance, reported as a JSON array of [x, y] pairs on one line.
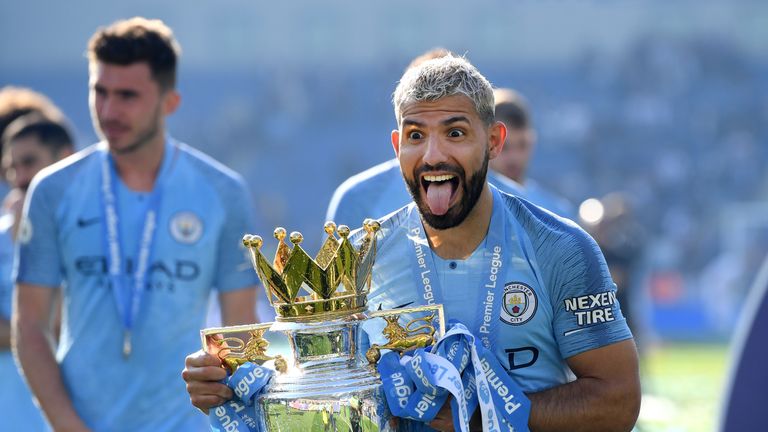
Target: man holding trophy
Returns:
[[532, 290]]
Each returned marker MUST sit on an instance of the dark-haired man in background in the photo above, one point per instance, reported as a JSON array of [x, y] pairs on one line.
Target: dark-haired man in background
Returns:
[[30, 143], [137, 229]]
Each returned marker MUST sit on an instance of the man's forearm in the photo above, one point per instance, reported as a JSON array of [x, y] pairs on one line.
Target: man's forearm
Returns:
[[44, 378], [587, 404], [5, 334]]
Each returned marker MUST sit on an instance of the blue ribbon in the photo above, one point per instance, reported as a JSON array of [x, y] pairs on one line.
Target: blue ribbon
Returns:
[[498, 246], [242, 413], [128, 297], [417, 386]]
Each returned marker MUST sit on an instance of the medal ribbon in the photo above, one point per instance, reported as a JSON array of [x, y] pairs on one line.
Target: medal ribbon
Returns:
[[242, 413], [417, 386], [424, 270], [128, 296]]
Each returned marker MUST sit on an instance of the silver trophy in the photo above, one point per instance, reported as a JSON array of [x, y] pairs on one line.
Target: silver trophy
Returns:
[[328, 383]]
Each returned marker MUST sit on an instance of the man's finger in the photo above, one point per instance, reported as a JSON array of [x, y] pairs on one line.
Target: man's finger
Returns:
[[206, 402], [202, 358], [205, 373], [199, 388]]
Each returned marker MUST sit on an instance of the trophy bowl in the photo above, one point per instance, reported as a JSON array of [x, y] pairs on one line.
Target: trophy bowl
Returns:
[[329, 380]]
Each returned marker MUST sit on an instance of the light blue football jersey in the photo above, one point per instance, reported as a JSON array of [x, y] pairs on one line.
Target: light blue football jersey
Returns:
[[381, 190], [205, 210], [558, 296], [18, 410]]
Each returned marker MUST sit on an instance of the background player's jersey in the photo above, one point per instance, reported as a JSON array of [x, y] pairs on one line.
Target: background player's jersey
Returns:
[[558, 297], [18, 410], [381, 190], [204, 212]]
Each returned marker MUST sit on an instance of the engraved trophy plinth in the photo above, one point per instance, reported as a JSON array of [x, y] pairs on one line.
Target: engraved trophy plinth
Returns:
[[328, 383]]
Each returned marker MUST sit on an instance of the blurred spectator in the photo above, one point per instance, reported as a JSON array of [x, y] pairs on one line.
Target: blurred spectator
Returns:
[[29, 143], [16, 102], [512, 162]]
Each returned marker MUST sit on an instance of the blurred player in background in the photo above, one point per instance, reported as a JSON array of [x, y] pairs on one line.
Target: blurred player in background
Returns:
[[29, 143], [137, 229], [512, 110]]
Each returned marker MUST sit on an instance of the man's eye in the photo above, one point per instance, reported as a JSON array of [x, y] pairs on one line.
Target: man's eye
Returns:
[[415, 135], [456, 133]]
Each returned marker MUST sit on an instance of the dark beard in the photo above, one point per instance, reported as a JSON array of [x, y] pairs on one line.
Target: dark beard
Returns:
[[473, 187], [146, 135]]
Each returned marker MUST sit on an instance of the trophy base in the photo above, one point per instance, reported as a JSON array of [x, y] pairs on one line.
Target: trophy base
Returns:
[[330, 400]]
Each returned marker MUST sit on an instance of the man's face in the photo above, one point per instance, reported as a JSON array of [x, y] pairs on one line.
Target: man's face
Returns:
[[127, 105], [23, 158], [444, 147], [513, 160]]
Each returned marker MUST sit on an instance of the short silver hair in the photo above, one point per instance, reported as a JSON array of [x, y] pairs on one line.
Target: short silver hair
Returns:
[[443, 77]]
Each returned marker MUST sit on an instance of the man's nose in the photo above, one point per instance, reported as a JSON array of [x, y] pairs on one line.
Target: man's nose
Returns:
[[434, 151]]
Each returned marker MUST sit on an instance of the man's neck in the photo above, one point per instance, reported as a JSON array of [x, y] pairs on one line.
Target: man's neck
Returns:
[[139, 169], [460, 241]]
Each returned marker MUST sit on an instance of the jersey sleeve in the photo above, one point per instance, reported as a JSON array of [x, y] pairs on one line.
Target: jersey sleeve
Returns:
[[346, 207], [586, 311], [38, 261], [233, 270]]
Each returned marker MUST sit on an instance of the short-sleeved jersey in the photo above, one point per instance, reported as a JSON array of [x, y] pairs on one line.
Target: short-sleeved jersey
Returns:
[[381, 190], [204, 211], [18, 412], [558, 297]]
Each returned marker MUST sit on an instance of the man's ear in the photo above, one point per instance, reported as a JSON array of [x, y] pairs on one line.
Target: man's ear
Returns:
[[171, 101], [497, 136], [61, 154], [395, 136]]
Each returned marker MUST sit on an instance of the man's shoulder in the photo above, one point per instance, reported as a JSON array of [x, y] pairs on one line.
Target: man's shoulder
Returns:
[[196, 163], [540, 224], [389, 224], [59, 174], [372, 178], [544, 197]]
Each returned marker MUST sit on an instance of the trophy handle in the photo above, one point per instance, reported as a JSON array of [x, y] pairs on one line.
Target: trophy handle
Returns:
[[411, 336], [234, 351]]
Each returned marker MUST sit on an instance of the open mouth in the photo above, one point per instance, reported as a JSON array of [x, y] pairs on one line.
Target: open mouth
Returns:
[[440, 191]]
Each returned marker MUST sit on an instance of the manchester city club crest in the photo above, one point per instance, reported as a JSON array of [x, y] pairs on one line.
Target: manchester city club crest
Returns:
[[520, 303], [25, 231], [186, 227]]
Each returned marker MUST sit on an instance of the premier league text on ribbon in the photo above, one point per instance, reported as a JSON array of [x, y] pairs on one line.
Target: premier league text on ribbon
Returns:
[[485, 327], [429, 297]]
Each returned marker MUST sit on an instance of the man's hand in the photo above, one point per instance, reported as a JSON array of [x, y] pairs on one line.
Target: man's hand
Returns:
[[202, 373], [443, 421]]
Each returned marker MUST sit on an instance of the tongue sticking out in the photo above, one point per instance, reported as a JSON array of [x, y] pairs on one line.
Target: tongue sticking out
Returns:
[[439, 197]]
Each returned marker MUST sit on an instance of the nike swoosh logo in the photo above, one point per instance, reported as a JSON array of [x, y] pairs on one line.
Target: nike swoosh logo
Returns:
[[82, 223]]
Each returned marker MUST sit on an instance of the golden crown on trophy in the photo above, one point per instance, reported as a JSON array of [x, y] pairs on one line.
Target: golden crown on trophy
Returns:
[[333, 284]]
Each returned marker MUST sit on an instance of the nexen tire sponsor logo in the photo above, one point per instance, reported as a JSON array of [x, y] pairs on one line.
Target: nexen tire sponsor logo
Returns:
[[592, 308]]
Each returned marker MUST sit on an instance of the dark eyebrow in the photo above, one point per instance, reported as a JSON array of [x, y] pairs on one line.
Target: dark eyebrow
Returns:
[[455, 119], [407, 122]]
